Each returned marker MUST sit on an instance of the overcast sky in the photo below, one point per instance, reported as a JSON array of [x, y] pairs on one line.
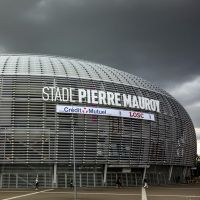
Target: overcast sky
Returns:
[[158, 40]]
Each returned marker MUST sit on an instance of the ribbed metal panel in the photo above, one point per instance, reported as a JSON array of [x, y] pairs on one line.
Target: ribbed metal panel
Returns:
[[32, 132], [74, 68]]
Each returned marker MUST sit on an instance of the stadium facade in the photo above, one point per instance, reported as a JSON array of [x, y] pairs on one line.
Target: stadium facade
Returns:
[[123, 126]]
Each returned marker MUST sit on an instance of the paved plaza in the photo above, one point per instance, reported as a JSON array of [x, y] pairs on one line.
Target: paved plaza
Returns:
[[175, 192]]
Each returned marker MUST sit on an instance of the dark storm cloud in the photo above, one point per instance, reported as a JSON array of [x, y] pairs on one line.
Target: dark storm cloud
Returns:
[[157, 40]]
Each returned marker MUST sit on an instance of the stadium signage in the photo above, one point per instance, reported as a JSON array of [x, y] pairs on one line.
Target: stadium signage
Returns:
[[99, 97], [103, 111]]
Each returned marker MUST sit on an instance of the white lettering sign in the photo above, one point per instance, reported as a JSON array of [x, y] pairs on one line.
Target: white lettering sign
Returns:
[[98, 97]]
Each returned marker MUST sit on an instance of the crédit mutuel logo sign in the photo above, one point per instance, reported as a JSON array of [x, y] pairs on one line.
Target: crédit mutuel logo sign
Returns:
[[99, 97], [104, 111]]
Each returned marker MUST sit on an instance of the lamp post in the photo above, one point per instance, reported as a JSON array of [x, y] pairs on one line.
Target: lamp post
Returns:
[[74, 160]]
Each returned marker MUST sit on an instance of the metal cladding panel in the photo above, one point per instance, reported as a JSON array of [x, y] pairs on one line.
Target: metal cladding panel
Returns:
[[69, 67], [32, 132]]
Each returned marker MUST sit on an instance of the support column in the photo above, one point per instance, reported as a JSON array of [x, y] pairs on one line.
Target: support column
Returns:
[[66, 185], [80, 176], [1, 176], [17, 180], [135, 179], [170, 172], [105, 175], [94, 174], [126, 180], [144, 174], [184, 172], [55, 175], [0, 180]]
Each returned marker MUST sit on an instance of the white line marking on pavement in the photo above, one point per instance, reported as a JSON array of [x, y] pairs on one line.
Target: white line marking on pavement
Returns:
[[24, 195], [144, 195], [183, 188], [15, 191], [97, 193], [166, 195]]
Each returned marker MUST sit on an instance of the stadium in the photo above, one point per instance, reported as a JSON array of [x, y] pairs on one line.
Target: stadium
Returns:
[[121, 125]]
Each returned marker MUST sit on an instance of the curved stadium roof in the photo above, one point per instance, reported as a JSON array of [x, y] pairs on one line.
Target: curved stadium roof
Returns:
[[43, 65]]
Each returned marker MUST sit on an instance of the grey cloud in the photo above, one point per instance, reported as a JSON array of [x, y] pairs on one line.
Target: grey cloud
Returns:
[[194, 114], [3, 49], [188, 91], [189, 96], [198, 133], [157, 40]]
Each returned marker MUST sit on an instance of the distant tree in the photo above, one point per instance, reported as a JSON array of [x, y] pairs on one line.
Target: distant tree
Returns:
[[197, 165]]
